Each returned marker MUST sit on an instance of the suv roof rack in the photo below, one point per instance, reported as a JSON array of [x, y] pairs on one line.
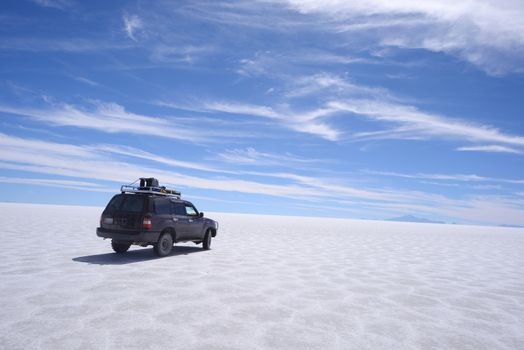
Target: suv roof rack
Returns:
[[150, 186]]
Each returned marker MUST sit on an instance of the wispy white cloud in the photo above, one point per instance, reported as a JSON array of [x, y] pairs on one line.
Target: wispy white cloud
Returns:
[[141, 154], [63, 160], [162, 53], [243, 15], [57, 4], [339, 96], [69, 184], [284, 63], [487, 187], [87, 81], [70, 45], [93, 162], [414, 123], [487, 209], [241, 108], [490, 149], [329, 95], [335, 188], [99, 163], [57, 149], [251, 156], [132, 24], [447, 177], [301, 121], [435, 183], [112, 118], [402, 121], [330, 84], [489, 34], [486, 33], [334, 95]]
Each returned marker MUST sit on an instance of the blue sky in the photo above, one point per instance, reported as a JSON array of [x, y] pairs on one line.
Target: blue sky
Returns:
[[360, 109]]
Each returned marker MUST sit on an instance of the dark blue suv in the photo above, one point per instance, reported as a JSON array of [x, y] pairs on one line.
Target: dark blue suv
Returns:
[[144, 216]]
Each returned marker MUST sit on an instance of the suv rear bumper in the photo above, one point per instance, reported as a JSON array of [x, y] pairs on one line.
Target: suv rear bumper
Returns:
[[131, 237]]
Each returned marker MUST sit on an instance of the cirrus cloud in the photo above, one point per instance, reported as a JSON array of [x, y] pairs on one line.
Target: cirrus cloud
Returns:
[[487, 33]]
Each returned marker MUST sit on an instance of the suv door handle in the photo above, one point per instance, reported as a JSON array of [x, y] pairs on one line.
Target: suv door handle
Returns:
[[175, 219], [190, 220]]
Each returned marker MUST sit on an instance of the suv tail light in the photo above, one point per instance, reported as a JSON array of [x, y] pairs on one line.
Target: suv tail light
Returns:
[[147, 222]]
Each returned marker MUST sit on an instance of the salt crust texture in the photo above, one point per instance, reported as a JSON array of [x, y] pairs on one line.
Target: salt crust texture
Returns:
[[268, 283]]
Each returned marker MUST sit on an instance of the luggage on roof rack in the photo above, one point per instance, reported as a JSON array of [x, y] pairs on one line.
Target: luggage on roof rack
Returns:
[[148, 182], [149, 185]]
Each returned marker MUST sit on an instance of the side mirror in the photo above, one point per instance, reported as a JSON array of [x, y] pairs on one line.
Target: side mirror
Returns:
[[200, 215]]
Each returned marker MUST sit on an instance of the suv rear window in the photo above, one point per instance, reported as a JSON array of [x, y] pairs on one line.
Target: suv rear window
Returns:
[[127, 202]]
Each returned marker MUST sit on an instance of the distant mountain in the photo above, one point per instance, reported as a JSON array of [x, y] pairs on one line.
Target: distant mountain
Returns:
[[510, 225], [411, 218]]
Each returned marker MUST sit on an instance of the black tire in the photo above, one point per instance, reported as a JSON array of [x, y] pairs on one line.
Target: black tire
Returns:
[[164, 245], [206, 244], [120, 248]]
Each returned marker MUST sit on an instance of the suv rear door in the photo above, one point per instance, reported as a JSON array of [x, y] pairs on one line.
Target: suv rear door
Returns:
[[163, 217], [125, 213]]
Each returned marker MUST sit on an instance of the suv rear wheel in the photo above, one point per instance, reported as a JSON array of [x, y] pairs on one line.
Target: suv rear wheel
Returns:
[[120, 247], [164, 245]]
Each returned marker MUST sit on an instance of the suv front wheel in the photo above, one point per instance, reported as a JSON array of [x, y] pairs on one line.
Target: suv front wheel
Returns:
[[164, 245], [206, 244]]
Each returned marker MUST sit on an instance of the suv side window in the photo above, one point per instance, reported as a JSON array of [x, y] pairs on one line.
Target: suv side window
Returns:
[[190, 210], [178, 208], [162, 206]]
